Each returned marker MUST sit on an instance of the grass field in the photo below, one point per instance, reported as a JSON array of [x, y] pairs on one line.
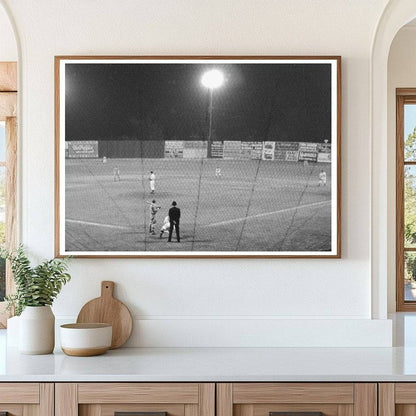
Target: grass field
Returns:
[[254, 205]]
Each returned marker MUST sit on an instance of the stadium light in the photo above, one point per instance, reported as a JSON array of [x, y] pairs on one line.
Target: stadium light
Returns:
[[211, 79]]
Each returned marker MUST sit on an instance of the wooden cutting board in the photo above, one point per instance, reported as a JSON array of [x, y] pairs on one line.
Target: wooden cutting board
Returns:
[[107, 309]]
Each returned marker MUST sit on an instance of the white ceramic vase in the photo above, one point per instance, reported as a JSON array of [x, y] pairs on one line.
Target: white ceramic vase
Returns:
[[13, 331], [37, 330]]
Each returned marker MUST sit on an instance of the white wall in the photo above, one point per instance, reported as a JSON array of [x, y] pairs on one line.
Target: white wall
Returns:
[[179, 302], [401, 74]]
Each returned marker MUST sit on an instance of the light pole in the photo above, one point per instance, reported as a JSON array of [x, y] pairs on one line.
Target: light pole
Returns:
[[211, 80]]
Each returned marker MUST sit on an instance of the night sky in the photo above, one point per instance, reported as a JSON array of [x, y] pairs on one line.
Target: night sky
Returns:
[[257, 102]]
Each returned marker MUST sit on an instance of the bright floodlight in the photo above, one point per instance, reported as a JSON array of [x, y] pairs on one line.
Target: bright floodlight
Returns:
[[212, 79]]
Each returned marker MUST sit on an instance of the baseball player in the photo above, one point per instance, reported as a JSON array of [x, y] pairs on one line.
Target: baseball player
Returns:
[[322, 178], [152, 179], [153, 211], [165, 226], [116, 173]]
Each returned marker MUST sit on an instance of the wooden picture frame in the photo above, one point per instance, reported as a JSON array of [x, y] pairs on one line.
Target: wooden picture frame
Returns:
[[249, 147]]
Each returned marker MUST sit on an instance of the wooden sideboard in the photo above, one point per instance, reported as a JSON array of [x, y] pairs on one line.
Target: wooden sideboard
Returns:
[[208, 399]]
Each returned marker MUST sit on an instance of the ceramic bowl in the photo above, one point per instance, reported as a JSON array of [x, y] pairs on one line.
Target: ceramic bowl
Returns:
[[83, 340]]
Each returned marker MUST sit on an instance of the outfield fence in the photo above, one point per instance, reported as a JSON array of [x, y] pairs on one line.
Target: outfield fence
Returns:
[[198, 149]]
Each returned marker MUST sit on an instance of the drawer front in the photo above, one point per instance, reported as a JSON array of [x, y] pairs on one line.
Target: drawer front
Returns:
[[144, 399], [26, 399], [140, 409], [251, 393], [397, 399], [296, 399], [138, 393], [19, 393]]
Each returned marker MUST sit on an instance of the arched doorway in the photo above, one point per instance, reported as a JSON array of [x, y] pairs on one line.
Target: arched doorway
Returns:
[[8, 148], [395, 15]]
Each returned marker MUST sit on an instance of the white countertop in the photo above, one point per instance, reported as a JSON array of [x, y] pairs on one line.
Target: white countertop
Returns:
[[213, 364]]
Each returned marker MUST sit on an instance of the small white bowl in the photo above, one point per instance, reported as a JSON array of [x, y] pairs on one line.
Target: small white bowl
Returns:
[[83, 340]]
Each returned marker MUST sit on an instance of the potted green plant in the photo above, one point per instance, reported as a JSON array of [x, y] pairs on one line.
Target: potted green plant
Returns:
[[36, 289]]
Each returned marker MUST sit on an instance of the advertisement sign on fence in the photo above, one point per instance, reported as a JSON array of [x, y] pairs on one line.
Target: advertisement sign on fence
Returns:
[[217, 150], [268, 150], [173, 149], [194, 153], [83, 149], [309, 156], [279, 154], [195, 144], [232, 149], [256, 150], [245, 150], [308, 151], [288, 146], [251, 150], [195, 149], [308, 147], [292, 156], [324, 157]]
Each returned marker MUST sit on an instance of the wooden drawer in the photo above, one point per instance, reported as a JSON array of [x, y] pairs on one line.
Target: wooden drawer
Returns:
[[105, 399], [397, 399], [27, 399], [331, 399]]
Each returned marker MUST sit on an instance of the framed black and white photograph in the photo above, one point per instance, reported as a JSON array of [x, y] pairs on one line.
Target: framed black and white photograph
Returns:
[[198, 156]]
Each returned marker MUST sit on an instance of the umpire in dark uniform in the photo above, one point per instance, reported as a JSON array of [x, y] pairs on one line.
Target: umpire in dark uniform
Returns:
[[174, 216]]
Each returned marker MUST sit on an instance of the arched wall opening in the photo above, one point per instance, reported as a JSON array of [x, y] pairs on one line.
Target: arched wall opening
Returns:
[[401, 74], [396, 15], [9, 217]]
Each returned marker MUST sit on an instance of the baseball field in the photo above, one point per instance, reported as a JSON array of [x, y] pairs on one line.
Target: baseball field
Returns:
[[253, 205]]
